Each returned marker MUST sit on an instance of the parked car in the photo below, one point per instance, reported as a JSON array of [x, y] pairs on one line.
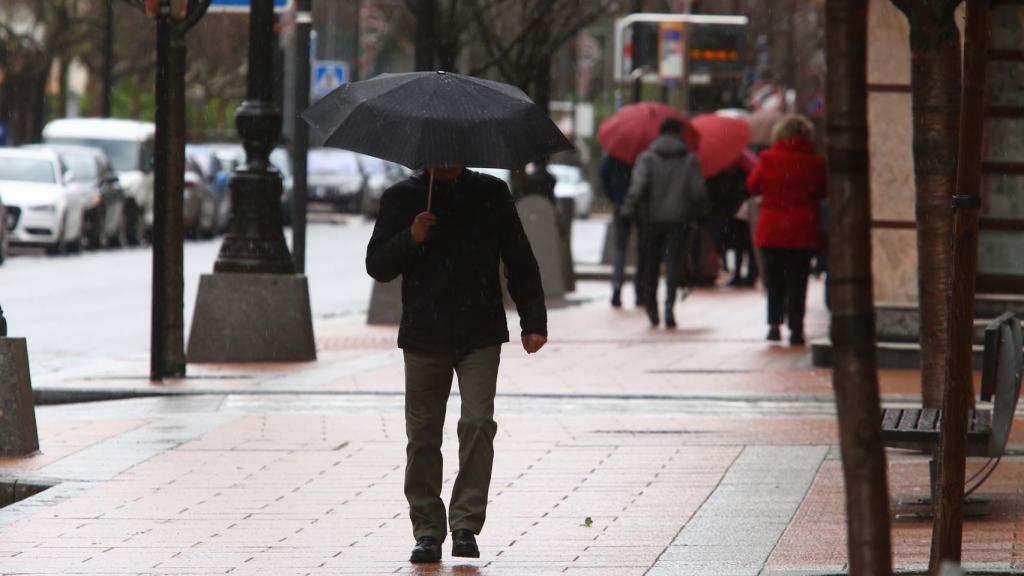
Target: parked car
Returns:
[[500, 173], [42, 206], [129, 145], [380, 175], [199, 206], [282, 160], [95, 180], [215, 166], [335, 176], [570, 183]]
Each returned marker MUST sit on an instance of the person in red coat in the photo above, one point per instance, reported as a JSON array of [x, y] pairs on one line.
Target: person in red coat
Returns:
[[790, 178]]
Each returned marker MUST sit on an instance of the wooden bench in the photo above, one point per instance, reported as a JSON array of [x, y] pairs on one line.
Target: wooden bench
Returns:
[[989, 430]]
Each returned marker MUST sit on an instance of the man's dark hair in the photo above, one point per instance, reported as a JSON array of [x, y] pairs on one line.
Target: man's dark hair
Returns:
[[671, 126]]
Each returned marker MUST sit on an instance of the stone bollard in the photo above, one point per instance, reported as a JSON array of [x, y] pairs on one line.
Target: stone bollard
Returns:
[[18, 433], [565, 211], [538, 216], [385, 304]]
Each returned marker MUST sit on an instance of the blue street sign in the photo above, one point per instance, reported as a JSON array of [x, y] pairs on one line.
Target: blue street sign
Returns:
[[327, 75], [243, 5]]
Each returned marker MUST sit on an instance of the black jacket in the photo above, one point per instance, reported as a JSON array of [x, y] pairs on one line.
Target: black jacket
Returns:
[[451, 294]]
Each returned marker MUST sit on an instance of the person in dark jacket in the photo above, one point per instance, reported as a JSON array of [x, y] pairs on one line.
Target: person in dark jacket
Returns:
[[790, 177], [615, 175], [453, 322], [666, 181]]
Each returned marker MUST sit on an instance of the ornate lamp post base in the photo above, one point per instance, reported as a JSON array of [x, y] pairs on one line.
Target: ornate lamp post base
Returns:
[[254, 308], [252, 318]]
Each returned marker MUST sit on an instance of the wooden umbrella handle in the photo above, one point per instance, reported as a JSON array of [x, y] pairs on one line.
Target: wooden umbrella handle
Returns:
[[430, 190]]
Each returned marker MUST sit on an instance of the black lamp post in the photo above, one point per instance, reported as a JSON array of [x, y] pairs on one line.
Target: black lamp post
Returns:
[[254, 307], [255, 240]]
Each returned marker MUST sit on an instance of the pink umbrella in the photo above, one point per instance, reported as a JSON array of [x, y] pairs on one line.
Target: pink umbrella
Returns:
[[722, 141], [628, 132]]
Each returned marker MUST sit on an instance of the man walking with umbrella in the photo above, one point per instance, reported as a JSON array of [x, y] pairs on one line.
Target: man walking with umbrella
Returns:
[[446, 231], [453, 321]]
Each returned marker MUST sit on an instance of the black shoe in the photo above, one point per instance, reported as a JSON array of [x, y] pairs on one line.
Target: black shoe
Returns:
[[670, 318], [464, 544], [616, 299], [796, 338], [652, 315], [774, 335], [427, 550]]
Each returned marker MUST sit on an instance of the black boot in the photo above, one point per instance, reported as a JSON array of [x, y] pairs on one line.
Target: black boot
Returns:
[[617, 297], [670, 317], [774, 335]]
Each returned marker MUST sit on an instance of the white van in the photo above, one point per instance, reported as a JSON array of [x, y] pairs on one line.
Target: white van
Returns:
[[129, 144]]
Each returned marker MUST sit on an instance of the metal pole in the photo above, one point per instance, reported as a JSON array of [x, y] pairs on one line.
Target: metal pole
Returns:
[[167, 354], [947, 530], [300, 148], [163, 89], [108, 59], [255, 242]]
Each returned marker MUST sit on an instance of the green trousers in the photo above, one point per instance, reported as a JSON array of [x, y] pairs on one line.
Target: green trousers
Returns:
[[428, 382]]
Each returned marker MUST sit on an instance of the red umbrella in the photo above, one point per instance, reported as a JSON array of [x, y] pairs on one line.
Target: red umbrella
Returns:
[[628, 132], [722, 141]]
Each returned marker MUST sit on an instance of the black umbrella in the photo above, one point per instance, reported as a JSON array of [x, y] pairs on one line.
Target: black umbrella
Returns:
[[424, 119]]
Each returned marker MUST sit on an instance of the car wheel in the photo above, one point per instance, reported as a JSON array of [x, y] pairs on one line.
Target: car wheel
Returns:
[[120, 237], [60, 246], [74, 246], [136, 224], [97, 239]]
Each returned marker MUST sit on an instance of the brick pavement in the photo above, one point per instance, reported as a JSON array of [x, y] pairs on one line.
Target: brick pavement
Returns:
[[700, 451]]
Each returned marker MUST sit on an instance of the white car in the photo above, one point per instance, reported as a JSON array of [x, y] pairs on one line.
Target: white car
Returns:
[[43, 207], [129, 145], [570, 183]]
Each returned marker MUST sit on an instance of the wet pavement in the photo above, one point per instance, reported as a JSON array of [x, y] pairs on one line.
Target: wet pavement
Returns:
[[703, 450]]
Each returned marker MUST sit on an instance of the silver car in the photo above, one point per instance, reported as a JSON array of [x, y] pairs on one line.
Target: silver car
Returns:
[[336, 177], [380, 175]]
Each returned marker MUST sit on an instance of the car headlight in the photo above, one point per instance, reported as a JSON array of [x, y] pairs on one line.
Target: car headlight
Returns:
[[48, 208]]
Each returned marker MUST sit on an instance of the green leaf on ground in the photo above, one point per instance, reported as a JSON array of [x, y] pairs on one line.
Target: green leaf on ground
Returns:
[[588, 521]]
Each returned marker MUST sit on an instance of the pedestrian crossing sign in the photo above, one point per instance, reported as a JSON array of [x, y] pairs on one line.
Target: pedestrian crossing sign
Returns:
[[328, 75]]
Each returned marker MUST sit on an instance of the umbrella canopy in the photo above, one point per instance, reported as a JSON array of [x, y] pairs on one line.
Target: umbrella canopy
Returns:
[[761, 124], [722, 140], [630, 131], [423, 119], [747, 161]]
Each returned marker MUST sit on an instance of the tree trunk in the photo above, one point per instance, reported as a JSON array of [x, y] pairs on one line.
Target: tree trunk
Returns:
[[854, 376], [947, 528], [426, 42], [935, 78]]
